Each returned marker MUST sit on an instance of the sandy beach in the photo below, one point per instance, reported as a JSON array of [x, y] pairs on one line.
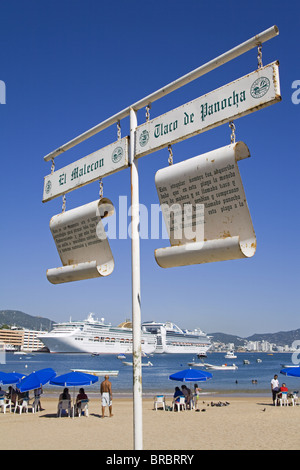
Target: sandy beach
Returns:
[[247, 423]]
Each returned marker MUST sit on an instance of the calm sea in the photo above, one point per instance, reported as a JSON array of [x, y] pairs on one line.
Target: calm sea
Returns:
[[155, 379]]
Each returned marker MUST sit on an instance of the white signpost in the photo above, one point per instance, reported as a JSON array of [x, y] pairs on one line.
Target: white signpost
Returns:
[[234, 100], [248, 94]]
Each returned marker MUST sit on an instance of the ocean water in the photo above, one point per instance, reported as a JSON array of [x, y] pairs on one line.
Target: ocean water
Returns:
[[155, 379]]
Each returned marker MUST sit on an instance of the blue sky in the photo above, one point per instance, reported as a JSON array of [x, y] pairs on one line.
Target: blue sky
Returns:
[[69, 65]]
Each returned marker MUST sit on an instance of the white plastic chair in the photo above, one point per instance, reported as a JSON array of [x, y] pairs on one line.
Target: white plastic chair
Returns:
[[23, 403], [294, 398], [83, 407], [5, 404], [283, 400], [179, 401], [159, 400], [64, 405]]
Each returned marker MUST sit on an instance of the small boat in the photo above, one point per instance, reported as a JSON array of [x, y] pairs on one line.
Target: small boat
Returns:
[[258, 360], [98, 373], [286, 366], [246, 361], [145, 364], [230, 355], [222, 367], [195, 364], [121, 356]]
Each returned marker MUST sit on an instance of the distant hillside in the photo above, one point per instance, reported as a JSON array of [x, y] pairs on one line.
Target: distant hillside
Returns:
[[281, 338], [23, 320]]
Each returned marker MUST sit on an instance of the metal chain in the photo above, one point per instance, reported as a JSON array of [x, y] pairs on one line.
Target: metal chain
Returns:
[[259, 56], [119, 130], [232, 137], [170, 159], [52, 166], [101, 188], [63, 204], [148, 107]]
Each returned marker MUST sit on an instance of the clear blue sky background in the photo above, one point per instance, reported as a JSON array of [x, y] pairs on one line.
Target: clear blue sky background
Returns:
[[70, 64]]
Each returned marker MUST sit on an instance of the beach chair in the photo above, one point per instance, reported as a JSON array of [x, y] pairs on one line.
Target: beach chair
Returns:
[[64, 405], [283, 400], [159, 400], [5, 403], [294, 398], [22, 404], [179, 401], [83, 407]]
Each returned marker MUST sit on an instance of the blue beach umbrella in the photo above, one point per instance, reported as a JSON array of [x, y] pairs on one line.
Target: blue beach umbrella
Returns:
[[74, 379], [191, 375], [8, 378], [291, 371], [36, 379]]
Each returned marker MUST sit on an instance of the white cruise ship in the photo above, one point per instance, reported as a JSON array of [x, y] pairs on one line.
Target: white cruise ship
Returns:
[[95, 337], [172, 339]]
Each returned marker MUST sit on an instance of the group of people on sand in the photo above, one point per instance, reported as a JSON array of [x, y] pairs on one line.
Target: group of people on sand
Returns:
[[15, 396], [276, 389], [189, 395], [106, 397]]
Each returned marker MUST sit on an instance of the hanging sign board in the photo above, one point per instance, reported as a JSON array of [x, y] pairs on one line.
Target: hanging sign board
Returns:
[[205, 209], [101, 163], [82, 243], [239, 98]]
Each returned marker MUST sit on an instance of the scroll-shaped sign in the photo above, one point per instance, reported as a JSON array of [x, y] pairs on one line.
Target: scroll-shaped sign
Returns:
[[205, 209], [82, 243]]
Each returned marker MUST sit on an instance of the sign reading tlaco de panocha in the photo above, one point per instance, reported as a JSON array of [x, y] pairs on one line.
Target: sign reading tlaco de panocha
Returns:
[[101, 163], [236, 99]]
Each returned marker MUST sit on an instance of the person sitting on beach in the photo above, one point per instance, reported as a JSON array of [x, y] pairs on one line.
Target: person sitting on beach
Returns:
[[178, 393], [188, 395], [65, 395], [62, 397], [12, 395], [284, 388], [81, 396]]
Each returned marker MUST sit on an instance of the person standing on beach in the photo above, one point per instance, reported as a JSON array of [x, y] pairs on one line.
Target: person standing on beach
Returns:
[[106, 396], [275, 388]]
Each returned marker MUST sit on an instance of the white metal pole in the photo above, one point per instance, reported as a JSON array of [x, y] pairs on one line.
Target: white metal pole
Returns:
[[136, 291]]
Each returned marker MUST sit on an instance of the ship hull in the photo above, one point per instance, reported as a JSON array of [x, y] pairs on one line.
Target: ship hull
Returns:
[[93, 345]]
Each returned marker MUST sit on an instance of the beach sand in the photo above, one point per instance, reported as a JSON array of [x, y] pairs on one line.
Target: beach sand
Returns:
[[242, 425]]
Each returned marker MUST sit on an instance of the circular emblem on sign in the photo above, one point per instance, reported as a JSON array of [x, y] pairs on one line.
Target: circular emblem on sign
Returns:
[[144, 138], [117, 154], [260, 87], [48, 187]]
